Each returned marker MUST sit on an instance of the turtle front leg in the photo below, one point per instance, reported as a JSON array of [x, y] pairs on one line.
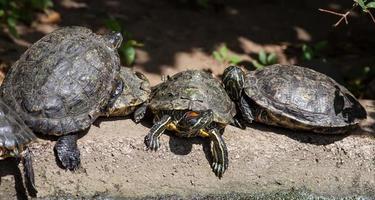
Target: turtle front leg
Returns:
[[245, 109], [67, 151], [152, 138], [29, 173], [219, 153], [140, 112]]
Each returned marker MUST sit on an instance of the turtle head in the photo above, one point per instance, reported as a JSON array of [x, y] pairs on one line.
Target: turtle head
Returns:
[[114, 39], [233, 79], [193, 121]]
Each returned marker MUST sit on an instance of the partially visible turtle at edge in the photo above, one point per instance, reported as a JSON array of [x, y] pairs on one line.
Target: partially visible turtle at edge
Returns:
[[14, 138], [192, 103], [63, 82], [293, 97]]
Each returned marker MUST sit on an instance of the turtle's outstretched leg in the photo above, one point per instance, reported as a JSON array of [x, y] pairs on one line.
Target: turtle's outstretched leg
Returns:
[[29, 173], [68, 152], [245, 109], [152, 138], [219, 153], [140, 112]]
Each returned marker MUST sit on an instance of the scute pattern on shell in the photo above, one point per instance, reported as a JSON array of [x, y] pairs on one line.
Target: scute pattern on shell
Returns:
[[14, 134], [63, 81], [136, 91], [303, 96], [193, 90]]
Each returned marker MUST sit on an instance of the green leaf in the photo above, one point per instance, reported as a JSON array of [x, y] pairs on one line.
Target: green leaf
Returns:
[[307, 52], [11, 22], [271, 59], [262, 57], [217, 56], [128, 54], [2, 13], [257, 65], [371, 5], [234, 60], [134, 43], [202, 3], [362, 4], [113, 25], [321, 45], [223, 51]]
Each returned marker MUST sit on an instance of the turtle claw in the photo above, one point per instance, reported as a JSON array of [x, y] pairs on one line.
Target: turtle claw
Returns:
[[152, 138], [152, 143]]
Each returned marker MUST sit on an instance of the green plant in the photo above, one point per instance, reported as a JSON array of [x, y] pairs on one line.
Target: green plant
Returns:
[[222, 55], [310, 52], [264, 59], [13, 12], [127, 49]]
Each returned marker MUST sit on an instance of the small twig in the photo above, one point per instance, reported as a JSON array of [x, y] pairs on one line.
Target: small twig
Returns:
[[344, 16], [372, 16]]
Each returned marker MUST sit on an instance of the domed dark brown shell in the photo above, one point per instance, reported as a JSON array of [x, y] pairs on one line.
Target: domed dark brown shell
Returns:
[[63, 81], [193, 90], [298, 97], [14, 134]]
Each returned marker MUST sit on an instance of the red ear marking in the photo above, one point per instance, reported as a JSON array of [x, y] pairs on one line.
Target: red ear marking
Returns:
[[192, 114]]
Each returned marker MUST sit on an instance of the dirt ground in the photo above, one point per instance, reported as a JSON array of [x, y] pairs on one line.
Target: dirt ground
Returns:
[[263, 160]]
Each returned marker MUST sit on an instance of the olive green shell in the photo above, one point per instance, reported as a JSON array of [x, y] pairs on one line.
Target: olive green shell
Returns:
[[193, 90], [301, 98], [136, 91], [64, 81]]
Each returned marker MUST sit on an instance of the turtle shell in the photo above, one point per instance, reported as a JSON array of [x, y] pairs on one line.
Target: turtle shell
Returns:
[[193, 90], [14, 134], [303, 96], [63, 81], [135, 92]]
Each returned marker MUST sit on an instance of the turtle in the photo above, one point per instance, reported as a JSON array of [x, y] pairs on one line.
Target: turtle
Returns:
[[63, 82], [135, 94], [14, 138], [192, 103], [293, 97]]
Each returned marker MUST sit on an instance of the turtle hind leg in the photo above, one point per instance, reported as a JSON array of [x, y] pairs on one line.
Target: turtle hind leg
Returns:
[[245, 109], [67, 151], [152, 138], [29, 173], [219, 153]]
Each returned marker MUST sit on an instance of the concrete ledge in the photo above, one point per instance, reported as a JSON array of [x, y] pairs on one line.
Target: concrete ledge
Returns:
[[262, 160]]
